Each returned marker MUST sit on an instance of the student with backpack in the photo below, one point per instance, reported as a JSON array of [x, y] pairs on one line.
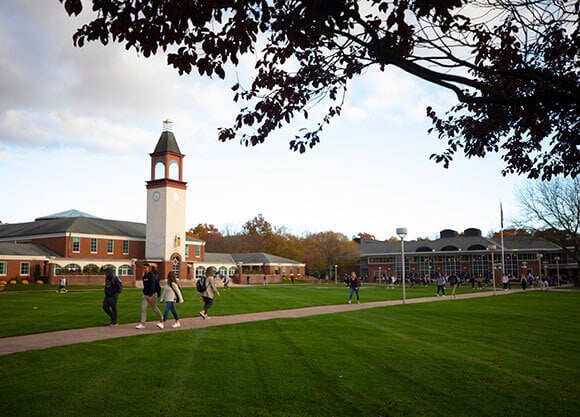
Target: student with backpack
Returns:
[[207, 289], [113, 288], [151, 290]]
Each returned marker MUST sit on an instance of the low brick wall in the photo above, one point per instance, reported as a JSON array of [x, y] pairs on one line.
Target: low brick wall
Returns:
[[128, 281]]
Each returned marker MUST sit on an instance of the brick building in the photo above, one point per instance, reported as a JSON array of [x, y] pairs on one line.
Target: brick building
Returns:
[[467, 255], [80, 245]]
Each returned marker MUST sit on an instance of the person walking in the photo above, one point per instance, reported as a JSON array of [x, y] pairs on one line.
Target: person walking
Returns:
[[209, 294], [505, 282], [354, 285], [113, 288], [440, 284], [62, 286], [151, 290], [171, 295], [454, 282]]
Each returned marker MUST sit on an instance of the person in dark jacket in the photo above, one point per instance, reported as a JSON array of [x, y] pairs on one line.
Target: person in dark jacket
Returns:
[[151, 292], [354, 285], [112, 290]]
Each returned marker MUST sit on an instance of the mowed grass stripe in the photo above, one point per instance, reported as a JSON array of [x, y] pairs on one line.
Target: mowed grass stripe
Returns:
[[456, 358]]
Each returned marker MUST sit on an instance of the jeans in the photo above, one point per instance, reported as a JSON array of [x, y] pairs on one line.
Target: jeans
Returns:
[[170, 306], [442, 288], [208, 302], [110, 306], [153, 303], [352, 291]]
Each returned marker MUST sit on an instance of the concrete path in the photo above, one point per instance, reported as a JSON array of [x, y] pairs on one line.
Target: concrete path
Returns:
[[15, 344]]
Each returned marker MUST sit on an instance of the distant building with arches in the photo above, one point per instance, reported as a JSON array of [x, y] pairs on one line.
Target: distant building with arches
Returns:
[[466, 255]]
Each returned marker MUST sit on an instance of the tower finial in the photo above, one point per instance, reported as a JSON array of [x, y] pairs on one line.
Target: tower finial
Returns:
[[167, 125]]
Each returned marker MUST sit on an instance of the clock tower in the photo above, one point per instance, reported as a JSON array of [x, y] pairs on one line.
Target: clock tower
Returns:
[[165, 229]]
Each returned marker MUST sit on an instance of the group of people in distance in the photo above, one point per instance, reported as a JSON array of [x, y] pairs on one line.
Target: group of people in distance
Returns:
[[171, 295], [354, 283]]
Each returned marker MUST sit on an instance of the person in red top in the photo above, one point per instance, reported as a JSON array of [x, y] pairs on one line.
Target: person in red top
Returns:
[[354, 285]]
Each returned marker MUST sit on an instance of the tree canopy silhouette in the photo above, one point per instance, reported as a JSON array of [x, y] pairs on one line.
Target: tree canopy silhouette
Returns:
[[512, 64]]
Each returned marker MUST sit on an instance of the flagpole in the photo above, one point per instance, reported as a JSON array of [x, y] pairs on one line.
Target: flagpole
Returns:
[[502, 246]]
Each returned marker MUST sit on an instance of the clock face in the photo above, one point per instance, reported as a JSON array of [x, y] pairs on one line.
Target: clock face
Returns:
[[156, 196], [176, 196]]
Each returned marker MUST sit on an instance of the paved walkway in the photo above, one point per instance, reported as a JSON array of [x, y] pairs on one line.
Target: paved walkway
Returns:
[[67, 337]]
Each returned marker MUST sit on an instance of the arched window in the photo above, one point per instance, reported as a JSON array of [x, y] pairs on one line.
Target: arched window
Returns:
[[449, 248], [159, 170], [125, 270], [176, 268], [476, 247], [112, 267], [91, 269], [233, 270], [223, 271], [199, 272], [424, 249], [72, 268], [174, 170]]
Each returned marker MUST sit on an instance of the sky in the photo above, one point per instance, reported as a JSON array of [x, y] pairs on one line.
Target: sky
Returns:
[[77, 126]]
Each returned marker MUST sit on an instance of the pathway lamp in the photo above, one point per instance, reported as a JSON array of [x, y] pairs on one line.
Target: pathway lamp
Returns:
[[402, 232]]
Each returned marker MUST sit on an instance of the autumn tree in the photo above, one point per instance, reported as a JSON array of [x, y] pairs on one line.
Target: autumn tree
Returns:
[[326, 249], [257, 232], [364, 235], [511, 64], [203, 231], [552, 210]]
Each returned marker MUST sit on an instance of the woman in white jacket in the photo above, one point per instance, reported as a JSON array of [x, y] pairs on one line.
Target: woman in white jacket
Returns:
[[171, 295]]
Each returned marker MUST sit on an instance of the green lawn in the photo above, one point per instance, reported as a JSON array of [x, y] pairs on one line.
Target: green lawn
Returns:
[[81, 306], [512, 355]]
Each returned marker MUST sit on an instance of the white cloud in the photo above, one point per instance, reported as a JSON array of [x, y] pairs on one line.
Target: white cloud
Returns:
[[77, 124]]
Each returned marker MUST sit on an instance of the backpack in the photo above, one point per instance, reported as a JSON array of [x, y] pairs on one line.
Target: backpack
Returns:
[[200, 285], [120, 284]]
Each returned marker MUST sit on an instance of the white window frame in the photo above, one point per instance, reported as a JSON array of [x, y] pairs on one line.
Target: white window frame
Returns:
[[24, 268]]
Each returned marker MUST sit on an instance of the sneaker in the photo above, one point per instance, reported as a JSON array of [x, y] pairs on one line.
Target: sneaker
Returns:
[[140, 326], [176, 325], [358, 302], [348, 302], [203, 315], [113, 324], [160, 325]]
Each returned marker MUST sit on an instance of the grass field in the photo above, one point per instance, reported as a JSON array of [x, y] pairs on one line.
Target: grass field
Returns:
[[81, 306], [513, 355]]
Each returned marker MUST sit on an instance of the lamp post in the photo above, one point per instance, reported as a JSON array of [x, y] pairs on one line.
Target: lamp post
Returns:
[[336, 274], [380, 274], [402, 232], [239, 272], [492, 248], [539, 256], [557, 259]]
